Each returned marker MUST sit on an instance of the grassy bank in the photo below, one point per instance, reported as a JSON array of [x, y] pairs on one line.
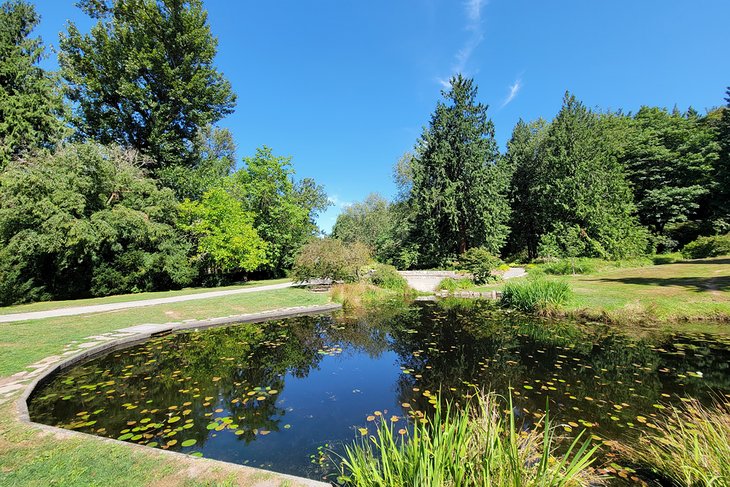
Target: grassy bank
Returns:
[[23, 343], [687, 290], [121, 298], [29, 456]]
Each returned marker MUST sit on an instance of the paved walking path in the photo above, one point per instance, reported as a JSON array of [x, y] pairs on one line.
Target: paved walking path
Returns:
[[99, 308]]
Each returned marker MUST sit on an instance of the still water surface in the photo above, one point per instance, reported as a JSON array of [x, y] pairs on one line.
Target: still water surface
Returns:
[[282, 395]]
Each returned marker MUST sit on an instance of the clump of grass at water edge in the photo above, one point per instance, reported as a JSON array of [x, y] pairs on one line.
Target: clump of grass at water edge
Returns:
[[535, 295], [689, 447], [473, 445]]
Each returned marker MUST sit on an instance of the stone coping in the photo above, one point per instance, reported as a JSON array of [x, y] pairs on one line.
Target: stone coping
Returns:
[[140, 333]]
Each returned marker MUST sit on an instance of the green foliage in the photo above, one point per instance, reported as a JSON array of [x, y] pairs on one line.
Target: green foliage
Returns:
[[386, 277], [523, 160], [721, 198], [143, 77], [480, 263], [535, 295], [216, 159], [30, 106], [572, 188], [669, 158], [223, 233], [330, 259], [473, 445], [458, 195], [670, 258], [85, 221], [284, 210], [569, 266], [714, 246], [690, 446], [452, 285], [369, 222]]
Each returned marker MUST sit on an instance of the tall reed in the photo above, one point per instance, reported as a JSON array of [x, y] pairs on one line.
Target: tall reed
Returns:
[[535, 295], [689, 447], [470, 446]]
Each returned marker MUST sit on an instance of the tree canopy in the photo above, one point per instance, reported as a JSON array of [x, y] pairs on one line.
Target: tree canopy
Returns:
[[458, 193], [85, 221], [30, 104], [144, 77]]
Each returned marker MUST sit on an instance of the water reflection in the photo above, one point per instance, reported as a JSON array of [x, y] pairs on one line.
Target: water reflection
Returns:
[[273, 394]]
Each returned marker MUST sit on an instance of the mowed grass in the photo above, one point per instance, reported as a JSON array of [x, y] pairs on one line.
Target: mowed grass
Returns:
[[26, 342], [122, 298], [687, 290], [31, 457]]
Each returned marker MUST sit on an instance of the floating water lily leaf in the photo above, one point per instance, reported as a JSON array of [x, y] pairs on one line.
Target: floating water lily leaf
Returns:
[[190, 442], [125, 436]]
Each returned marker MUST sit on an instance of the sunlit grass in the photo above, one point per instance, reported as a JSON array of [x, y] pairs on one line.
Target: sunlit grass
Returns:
[[25, 342], [474, 445], [120, 298]]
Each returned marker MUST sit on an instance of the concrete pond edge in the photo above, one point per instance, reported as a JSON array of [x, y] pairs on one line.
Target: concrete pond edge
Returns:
[[140, 333]]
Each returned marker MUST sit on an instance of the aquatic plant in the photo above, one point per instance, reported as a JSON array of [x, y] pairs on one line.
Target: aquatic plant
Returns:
[[689, 447], [473, 445], [535, 295]]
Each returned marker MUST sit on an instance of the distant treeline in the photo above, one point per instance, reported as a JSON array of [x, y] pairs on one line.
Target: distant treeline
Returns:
[[588, 183]]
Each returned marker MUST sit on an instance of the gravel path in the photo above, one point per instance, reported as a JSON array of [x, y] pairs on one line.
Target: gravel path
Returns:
[[98, 308]]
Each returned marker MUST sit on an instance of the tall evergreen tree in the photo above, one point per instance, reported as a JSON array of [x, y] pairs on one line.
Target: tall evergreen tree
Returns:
[[581, 190], [459, 190], [722, 172], [30, 105], [522, 160], [144, 77]]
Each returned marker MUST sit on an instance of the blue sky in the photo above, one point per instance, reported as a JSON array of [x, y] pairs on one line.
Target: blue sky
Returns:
[[345, 87]]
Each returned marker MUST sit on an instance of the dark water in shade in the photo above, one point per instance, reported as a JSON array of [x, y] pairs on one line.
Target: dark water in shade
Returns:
[[272, 395]]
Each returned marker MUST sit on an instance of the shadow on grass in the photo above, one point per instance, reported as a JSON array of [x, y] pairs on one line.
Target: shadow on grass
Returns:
[[699, 284], [723, 260]]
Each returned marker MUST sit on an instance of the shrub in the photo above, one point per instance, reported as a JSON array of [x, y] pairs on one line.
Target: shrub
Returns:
[[450, 284], [330, 259], [387, 277], [535, 295], [703, 247], [473, 445], [662, 259], [480, 263], [689, 447], [569, 266]]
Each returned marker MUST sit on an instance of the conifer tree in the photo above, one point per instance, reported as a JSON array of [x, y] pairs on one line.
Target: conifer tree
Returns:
[[30, 106], [458, 194]]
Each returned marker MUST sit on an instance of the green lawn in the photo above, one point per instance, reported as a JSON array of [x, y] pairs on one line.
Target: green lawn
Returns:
[[46, 305], [695, 289], [25, 342], [32, 457]]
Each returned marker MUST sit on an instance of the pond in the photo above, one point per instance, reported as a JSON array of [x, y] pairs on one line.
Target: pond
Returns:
[[283, 395]]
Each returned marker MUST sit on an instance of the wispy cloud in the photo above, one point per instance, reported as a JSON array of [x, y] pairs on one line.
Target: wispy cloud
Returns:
[[338, 203], [475, 27], [513, 90]]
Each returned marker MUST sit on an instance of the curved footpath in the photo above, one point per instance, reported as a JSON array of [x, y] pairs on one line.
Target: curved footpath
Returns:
[[99, 308], [124, 337]]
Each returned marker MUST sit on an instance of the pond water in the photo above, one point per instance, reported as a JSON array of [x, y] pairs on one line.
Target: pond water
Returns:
[[281, 395]]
